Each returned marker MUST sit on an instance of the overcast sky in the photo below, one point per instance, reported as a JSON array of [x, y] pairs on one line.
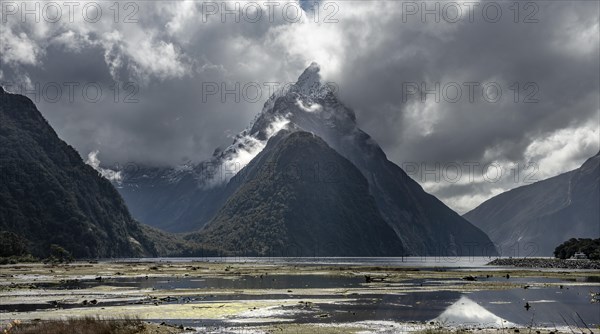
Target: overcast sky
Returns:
[[157, 61]]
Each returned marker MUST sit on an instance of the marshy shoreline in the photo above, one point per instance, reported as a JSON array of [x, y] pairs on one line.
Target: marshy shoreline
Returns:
[[218, 297]]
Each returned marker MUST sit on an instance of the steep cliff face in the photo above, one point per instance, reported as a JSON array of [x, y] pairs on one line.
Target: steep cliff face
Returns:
[[537, 218], [299, 197], [48, 195]]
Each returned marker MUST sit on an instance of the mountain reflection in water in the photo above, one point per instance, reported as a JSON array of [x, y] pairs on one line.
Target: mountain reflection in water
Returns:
[[465, 312]]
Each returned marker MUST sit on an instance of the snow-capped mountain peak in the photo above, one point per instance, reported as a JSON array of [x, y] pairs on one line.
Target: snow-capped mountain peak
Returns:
[[308, 86], [311, 106], [309, 81]]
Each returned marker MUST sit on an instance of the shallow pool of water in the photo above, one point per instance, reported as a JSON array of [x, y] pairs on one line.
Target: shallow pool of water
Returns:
[[421, 300]]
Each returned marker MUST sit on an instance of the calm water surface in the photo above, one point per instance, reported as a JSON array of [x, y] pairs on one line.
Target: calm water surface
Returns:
[[424, 301]]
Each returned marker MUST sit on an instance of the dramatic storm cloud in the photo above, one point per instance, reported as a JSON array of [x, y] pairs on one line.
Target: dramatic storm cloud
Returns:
[[471, 98]]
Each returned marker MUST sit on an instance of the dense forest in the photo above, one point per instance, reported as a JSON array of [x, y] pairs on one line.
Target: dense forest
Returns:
[[50, 198], [590, 247], [299, 197]]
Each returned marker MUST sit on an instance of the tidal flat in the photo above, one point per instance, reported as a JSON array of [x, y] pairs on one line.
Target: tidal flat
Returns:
[[262, 297]]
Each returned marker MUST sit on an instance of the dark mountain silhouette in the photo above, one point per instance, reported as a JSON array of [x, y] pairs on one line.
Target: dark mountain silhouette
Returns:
[[299, 197], [48, 195]]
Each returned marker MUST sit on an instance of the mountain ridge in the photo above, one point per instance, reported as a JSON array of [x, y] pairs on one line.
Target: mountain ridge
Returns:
[[50, 196], [290, 203], [527, 216], [423, 223]]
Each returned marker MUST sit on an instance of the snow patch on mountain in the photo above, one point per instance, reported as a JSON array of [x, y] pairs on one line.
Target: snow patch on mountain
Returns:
[[309, 85], [245, 147], [310, 107], [109, 174], [299, 107]]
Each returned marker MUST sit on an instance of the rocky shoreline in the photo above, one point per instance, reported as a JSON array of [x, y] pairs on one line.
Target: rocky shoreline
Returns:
[[546, 263]]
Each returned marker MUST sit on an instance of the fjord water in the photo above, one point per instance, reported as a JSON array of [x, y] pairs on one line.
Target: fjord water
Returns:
[[448, 262]]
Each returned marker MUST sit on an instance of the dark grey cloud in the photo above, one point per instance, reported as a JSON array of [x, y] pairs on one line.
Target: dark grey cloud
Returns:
[[172, 52]]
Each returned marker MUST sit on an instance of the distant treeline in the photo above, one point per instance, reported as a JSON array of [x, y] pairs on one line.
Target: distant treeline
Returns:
[[590, 247]]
